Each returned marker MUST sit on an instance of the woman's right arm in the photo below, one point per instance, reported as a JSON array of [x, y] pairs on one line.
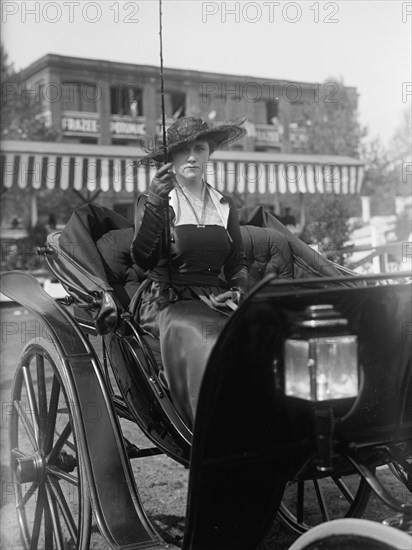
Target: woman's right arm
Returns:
[[150, 218], [149, 225]]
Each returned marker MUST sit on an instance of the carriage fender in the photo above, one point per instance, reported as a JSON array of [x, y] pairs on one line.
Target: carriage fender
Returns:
[[111, 484]]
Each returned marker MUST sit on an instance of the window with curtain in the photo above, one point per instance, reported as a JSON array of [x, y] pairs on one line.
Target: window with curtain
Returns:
[[126, 100], [80, 96]]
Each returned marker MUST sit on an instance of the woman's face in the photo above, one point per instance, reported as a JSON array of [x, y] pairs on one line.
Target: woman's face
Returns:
[[190, 161]]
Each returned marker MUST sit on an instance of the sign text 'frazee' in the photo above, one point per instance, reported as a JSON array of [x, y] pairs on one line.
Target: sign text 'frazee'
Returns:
[[80, 125]]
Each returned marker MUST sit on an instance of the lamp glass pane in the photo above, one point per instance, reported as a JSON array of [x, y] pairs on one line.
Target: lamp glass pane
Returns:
[[297, 379], [336, 367]]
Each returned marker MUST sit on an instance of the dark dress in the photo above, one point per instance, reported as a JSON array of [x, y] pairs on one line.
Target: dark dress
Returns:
[[206, 259]]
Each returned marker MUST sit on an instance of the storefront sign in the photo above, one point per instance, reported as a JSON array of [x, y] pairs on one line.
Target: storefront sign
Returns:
[[298, 135], [124, 128], [80, 125], [268, 135]]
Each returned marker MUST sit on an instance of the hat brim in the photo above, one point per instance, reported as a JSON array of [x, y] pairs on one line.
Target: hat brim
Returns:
[[221, 136]]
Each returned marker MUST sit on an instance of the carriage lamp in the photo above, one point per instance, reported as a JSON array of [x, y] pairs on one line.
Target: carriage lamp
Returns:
[[321, 359]]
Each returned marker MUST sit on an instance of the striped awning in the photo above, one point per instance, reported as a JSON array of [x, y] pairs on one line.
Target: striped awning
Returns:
[[40, 165]]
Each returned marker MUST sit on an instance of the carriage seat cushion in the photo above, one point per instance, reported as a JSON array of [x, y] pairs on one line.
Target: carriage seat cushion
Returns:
[[122, 273], [267, 251]]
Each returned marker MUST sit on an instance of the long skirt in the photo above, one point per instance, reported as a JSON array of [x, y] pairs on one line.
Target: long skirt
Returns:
[[181, 336]]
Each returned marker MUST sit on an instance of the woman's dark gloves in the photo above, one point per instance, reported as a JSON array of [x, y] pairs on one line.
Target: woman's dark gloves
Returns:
[[237, 294], [239, 283], [150, 219], [161, 185]]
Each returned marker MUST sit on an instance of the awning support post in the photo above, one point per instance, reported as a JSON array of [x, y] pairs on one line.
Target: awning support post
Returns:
[[302, 213], [276, 205], [33, 209]]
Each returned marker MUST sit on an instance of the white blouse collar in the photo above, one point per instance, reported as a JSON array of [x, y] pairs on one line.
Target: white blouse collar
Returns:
[[219, 202]]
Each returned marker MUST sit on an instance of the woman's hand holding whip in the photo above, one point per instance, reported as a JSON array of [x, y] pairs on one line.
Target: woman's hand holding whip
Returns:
[[161, 185]]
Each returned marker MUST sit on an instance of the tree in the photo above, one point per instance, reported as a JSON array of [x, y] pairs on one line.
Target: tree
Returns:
[[332, 129], [386, 168], [332, 121], [379, 178], [329, 228], [400, 154], [400, 151], [22, 119], [21, 115]]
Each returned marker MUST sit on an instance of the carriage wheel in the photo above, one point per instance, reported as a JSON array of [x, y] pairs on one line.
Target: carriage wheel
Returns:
[[53, 510], [310, 502], [402, 473]]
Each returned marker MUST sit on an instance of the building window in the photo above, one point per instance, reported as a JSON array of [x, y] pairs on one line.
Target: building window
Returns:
[[272, 111], [80, 96], [178, 104], [298, 112], [259, 112], [122, 142], [175, 104], [126, 100], [206, 106], [213, 108], [238, 109]]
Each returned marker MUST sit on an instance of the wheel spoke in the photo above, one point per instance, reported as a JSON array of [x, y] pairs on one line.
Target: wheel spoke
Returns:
[[402, 476], [61, 441], [344, 489], [51, 511], [32, 399], [300, 501], [61, 501], [27, 495], [51, 418], [68, 443], [401, 472], [65, 434], [27, 426], [48, 526], [41, 386], [37, 520], [321, 500], [52, 470], [57, 530]]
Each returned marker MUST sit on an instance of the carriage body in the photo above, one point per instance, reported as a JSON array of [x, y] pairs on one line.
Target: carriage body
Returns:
[[250, 439]]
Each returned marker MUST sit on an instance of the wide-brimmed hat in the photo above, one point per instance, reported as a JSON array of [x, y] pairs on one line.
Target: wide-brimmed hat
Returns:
[[188, 129]]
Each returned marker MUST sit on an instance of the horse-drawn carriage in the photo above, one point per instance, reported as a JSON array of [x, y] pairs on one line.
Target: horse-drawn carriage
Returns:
[[310, 379]]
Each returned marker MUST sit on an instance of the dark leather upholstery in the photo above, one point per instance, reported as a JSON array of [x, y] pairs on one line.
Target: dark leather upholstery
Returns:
[[266, 250], [269, 248], [122, 273]]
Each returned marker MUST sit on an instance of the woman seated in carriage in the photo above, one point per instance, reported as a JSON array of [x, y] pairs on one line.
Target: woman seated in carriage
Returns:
[[197, 278], [193, 268]]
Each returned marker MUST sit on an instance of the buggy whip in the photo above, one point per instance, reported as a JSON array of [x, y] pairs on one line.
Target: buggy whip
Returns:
[[172, 293]]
